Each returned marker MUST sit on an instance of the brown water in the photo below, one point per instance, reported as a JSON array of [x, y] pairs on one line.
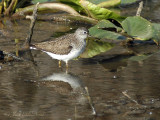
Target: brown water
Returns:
[[119, 88]]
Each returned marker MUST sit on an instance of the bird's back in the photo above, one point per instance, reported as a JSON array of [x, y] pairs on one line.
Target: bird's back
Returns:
[[61, 45]]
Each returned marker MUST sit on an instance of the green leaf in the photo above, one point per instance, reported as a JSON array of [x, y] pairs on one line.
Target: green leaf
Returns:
[[93, 10], [96, 47], [107, 24], [41, 1], [99, 33], [97, 1], [156, 37], [106, 3], [74, 4], [100, 13], [156, 26], [109, 3], [138, 28], [128, 1]]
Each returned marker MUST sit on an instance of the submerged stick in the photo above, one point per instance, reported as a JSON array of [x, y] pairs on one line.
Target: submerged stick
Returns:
[[33, 20], [139, 9], [125, 94]]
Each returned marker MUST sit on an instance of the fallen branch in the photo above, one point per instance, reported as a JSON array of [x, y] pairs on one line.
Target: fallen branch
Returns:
[[139, 9], [46, 6], [75, 19], [33, 20], [51, 7]]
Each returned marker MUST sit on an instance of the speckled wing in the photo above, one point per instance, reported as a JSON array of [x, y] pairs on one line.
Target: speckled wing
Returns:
[[61, 45]]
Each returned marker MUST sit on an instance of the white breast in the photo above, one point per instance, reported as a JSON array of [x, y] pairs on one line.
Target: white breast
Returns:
[[73, 54]]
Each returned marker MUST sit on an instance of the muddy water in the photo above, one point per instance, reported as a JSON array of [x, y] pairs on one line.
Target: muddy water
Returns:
[[36, 88]]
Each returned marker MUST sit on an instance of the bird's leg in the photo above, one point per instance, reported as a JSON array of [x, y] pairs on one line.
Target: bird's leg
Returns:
[[66, 67], [67, 64], [59, 63]]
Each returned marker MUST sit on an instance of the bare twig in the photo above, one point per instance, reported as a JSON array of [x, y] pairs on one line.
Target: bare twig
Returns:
[[139, 9], [90, 101], [125, 94], [33, 20], [9, 9]]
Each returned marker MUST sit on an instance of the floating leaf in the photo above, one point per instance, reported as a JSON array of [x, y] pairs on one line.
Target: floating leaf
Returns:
[[98, 12], [138, 27], [107, 24], [35, 1], [156, 26], [95, 48], [106, 3], [109, 3], [99, 33], [74, 4], [128, 1], [156, 37], [93, 10]]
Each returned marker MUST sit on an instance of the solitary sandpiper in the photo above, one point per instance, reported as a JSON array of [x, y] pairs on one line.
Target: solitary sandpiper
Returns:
[[65, 47]]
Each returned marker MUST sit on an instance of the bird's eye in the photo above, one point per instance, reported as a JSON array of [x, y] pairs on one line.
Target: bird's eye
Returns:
[[85, 32]]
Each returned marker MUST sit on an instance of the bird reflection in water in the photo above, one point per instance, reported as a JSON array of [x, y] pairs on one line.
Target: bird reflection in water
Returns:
[[76, 84]]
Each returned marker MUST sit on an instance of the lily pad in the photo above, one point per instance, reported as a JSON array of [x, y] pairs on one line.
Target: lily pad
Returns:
[[93, 10], [156, 26], [106, 3], [138, 28], [73, 3], [41, 1], [96, 47], [156, 37], [110, 3], [128, 1], [100, 33], [107, 24]]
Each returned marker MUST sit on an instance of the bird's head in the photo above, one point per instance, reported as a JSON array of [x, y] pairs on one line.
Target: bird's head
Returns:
[[81, 33]]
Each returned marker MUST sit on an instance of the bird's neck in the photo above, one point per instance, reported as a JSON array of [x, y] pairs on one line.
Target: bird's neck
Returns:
[[79, 42]]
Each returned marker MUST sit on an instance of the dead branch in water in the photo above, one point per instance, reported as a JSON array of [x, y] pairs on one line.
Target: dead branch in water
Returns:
[[52, 7], [33, 20], [46, 6], [139, 9]]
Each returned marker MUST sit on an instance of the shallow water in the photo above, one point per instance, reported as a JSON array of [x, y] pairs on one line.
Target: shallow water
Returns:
[[29, 89], [118, 88], [150, 10]]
